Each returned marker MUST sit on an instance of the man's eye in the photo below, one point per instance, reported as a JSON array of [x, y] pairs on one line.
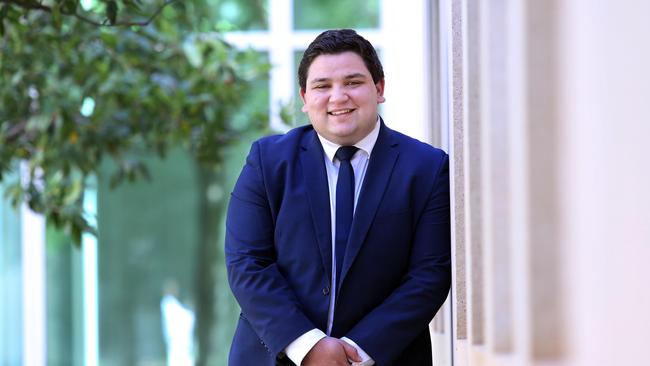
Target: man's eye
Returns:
[[321, 86], [354, 82]]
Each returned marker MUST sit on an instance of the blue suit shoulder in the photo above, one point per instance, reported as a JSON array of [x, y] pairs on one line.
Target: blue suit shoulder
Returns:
[[282, 145]]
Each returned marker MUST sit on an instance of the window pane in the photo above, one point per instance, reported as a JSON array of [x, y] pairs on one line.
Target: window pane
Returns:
[[299, 117], [148, 239], [326, 14], [64, 300], [161, 252], [10, 283], [157, 239], [256, 106], [241, 15]]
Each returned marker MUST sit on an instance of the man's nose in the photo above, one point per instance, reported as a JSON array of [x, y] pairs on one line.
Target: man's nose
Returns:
[[338, 94]]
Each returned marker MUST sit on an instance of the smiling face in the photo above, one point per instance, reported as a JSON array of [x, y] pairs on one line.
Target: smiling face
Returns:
[[341, 98]]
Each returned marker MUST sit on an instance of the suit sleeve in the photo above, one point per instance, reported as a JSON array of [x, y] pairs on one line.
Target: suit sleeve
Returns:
[[266, 299], [389, 328]]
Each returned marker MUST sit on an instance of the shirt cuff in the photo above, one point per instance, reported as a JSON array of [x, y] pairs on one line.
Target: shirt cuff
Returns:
[[365, 359], [298, 349]]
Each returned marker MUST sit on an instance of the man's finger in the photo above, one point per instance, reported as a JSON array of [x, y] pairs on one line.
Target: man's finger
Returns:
[[350, 351]]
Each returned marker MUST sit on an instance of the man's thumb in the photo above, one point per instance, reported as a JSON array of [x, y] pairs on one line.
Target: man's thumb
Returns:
[[351, 352]]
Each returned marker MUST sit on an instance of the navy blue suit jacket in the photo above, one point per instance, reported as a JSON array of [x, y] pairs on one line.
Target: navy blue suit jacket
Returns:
[[396, 272]]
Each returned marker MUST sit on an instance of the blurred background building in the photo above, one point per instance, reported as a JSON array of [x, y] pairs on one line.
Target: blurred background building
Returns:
[[543, 108]]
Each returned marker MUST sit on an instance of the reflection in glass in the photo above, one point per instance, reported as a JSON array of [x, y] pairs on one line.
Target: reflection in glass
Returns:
[[240, 15], [299, 118], [64, 300], [10, 283], [178, 327], [326, 14], [157, 239]]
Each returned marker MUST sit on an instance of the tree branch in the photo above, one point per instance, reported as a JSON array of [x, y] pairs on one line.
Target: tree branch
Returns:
[[27, 5], [32, 5]]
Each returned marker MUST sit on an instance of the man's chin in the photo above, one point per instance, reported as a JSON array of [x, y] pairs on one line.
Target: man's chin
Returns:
[[344, 137]]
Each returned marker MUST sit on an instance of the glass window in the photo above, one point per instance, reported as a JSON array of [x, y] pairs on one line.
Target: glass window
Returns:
[[241, 15], [148, 246], [326, 14], [160, 254], [10, 283], [64, 300], [299, 118], [256, 107]]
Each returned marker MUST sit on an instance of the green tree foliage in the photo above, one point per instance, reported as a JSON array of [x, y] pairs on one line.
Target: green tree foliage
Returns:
[[327, 14], [82, 81]]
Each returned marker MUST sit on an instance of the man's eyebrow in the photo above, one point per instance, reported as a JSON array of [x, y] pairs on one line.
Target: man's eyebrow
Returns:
[[355, 75], [351, 76], [319, 80]]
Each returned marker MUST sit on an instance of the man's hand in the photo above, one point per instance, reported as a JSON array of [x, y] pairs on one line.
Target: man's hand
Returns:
[[331, 352]]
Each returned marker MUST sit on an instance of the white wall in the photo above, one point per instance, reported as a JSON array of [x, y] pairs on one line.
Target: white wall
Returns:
[[605, 175], [555, 186]]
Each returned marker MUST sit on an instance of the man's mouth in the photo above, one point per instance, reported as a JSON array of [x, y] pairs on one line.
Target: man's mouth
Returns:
[[340, 112]]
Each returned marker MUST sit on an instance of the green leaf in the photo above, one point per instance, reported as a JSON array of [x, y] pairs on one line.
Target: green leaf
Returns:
[[193, 53], [15, 194], [74, 192], [111, 12], [133, 5], [109, 38], [17, 77], [142, 169], [39, 122], [69, 6], [56, 16], [3, 13], [75, 234]]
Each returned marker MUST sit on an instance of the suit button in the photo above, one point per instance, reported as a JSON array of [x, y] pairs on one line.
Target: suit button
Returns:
[[326, 291]]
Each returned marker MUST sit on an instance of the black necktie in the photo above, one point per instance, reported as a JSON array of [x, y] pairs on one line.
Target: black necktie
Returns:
[[344, 203]]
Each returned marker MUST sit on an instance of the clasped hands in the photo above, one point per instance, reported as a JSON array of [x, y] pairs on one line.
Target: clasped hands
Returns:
[[330, 351]]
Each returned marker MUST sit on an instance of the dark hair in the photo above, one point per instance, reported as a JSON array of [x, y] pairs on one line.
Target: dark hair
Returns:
[[337, 41]]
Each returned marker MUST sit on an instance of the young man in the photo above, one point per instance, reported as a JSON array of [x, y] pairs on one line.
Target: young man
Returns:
[[338, 242]]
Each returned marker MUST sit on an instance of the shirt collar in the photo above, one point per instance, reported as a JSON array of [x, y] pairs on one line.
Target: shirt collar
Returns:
[[366, 144]]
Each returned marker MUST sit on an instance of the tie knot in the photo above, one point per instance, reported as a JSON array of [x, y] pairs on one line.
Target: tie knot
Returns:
[[345, 152]]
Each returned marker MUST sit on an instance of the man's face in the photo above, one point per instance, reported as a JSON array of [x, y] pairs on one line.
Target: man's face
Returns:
[[341, 98]]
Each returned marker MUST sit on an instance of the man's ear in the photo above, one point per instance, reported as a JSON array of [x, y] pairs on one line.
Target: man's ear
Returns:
[[302, 96], [380, 91]]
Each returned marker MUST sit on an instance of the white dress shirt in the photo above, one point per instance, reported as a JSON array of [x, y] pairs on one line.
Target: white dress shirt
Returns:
[[298, 349]]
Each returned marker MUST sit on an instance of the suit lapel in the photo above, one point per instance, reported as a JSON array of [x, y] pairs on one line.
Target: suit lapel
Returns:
[[313, 167], [380, 167]]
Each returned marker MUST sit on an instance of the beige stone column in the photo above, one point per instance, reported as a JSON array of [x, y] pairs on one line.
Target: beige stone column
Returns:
[[549, 121]]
